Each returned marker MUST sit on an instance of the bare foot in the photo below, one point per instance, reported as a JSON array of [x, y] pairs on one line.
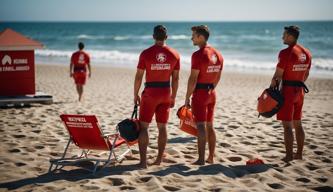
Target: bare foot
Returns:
[[287, 159], [210, 160], [156, 162], [298, 156], [142, 165], [199, 162]]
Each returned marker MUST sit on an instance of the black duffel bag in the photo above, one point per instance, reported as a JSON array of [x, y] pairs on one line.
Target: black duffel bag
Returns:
[[129, 128]]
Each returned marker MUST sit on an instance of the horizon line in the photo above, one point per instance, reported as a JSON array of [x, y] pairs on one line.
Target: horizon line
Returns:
[[150, 21]]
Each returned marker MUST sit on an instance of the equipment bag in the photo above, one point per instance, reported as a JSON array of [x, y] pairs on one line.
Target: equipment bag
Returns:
[[129, 128]]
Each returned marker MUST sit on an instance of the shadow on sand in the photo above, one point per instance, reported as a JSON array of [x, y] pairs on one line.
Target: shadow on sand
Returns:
[[181, 169]]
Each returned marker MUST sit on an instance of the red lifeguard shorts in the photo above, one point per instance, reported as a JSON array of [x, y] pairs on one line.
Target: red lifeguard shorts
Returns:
[[203, 104], [293, 103], [155, 101], [80, 78]]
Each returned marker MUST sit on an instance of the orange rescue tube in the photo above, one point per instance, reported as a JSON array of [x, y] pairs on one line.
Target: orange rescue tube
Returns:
[[187, 123]]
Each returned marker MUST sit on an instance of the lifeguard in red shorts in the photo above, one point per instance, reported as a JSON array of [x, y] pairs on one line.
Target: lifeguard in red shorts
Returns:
[[80, 61], [293, 70], [160, 62], [207, 64]]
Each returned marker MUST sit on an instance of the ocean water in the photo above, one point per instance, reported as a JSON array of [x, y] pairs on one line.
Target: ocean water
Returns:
[[245, 46]]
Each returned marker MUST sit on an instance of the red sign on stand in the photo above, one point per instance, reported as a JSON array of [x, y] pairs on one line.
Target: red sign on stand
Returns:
[[17, 73]]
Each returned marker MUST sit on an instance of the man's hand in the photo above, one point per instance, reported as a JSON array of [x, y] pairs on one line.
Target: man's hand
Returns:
[[273, 83], [172, 102], [71, 74], [187, 103], [137, 100]]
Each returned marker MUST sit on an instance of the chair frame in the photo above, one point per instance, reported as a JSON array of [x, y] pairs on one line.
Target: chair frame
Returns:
[[63, 161]]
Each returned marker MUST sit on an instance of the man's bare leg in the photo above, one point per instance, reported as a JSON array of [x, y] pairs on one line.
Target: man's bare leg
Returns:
[[201, 143], [300, 137], [162, 140], [288, 140], [143, 144], [79, 89], [211, 137]]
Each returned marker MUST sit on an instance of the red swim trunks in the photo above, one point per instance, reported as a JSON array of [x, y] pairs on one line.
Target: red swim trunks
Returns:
[[293, 103], [80, 78], [203, 104], [155, 101]]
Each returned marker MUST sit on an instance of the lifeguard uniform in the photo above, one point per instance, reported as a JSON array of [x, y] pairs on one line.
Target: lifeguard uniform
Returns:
[[296, 62], [80, 60], [159, 63], [210, 62]]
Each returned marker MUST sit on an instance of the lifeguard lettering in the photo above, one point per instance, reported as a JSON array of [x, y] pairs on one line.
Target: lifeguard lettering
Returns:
[[300, 67], [213, 68], [20, 61], [79, 125], [76, 119], [160, 66]]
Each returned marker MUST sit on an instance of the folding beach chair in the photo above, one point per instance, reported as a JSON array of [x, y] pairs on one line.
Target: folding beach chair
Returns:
[[86, 134]]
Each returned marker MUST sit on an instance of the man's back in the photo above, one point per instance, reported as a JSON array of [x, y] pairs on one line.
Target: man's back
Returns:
[[80, 58], [209, 61], [159, 63], [296, 61]]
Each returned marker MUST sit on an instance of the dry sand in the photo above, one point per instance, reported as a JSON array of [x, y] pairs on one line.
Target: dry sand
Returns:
[[30, 136]]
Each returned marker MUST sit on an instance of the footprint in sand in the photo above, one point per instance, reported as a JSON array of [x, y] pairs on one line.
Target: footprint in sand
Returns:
[[169, 161], [326, 160], [303, 180], [170, 188], [39, 147], [319, 152], [14, 151], [313, 146], [54, 154], [233, 126], [188, 157], [145, 179], [322, 179], [234, 159], [228, 135], [18, 136], [36, 131], [116, 181], [20, 164], [127, 188], [275, 185], [247, 143], [188, 152], [311, 167], [224, 145], [93, 188]]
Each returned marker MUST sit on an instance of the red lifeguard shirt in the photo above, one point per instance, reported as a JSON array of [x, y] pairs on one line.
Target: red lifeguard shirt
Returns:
[[209, 61], [80, 59], [159, 63], [295, 61]]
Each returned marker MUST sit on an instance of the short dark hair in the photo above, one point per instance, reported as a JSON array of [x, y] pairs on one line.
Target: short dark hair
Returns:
[[201, 30], [292, 30], [81, 45], [160, 32]]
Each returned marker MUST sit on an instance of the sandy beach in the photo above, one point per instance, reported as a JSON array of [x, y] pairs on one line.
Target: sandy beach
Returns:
[[31, 136]]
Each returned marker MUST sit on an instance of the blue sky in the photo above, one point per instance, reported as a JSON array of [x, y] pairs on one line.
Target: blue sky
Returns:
[[168, 10]]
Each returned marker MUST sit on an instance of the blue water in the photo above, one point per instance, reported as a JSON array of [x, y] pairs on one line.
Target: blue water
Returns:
[[244, 45]]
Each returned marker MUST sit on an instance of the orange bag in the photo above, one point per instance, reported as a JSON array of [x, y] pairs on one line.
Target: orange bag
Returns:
[[269, 102], [187, 123]]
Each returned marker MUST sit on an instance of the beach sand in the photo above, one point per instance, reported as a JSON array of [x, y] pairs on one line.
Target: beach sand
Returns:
[[30, 136]]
